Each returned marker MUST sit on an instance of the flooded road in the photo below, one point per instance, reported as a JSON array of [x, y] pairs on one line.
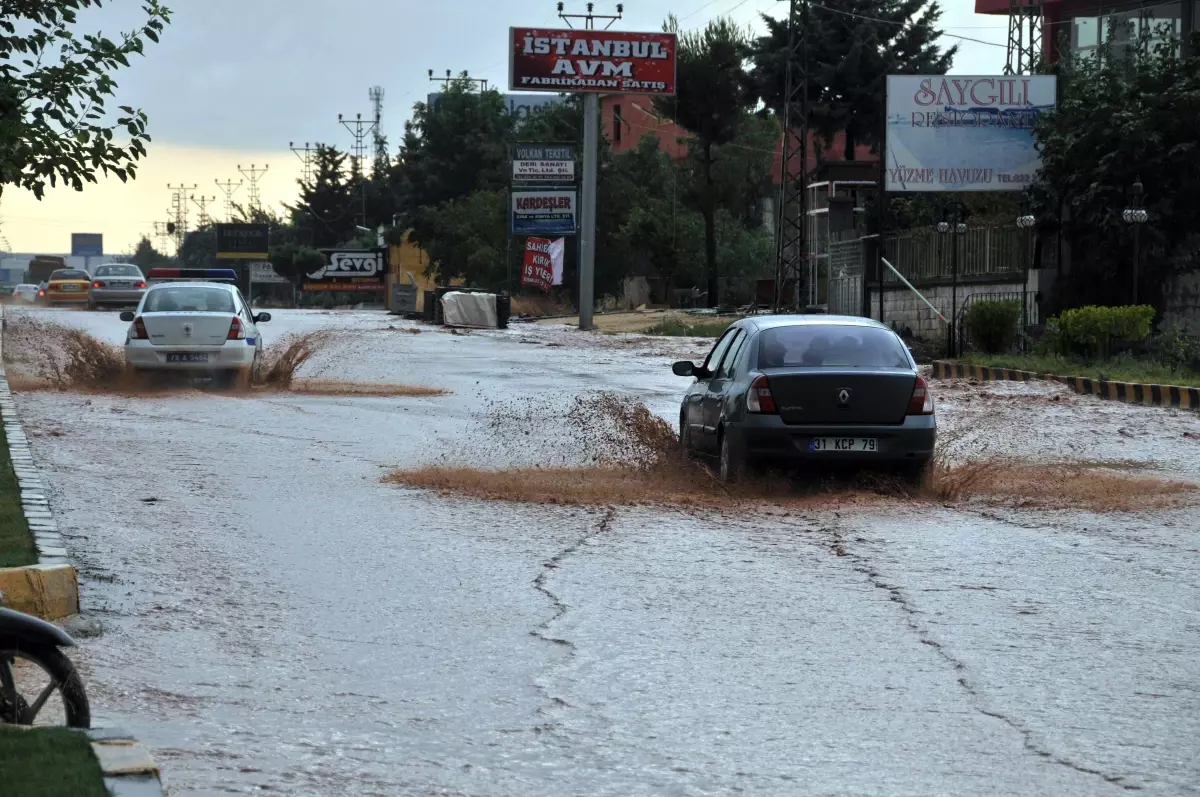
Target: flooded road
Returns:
[[277, 619]]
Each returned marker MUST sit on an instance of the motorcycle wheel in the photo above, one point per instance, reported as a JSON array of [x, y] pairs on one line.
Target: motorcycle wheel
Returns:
[[16, 708]]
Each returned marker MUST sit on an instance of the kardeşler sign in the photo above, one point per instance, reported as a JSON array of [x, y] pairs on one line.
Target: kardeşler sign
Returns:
[[539, 163], [547, 212], [964, 133], [605, 61], [350, 270]]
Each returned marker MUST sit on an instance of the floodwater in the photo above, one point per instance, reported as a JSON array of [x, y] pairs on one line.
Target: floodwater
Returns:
[[278, 618]]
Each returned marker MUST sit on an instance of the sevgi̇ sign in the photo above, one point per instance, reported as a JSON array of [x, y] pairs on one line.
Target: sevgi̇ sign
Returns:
[[549, 212], [537, 163], [350, 270], [87, 244], [603, 61], [964, 133], [242, 241]]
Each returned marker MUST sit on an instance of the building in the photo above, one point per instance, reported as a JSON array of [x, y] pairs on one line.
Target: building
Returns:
[[1085, 24]]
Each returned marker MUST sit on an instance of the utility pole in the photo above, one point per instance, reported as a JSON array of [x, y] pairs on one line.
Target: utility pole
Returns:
[[360, 129], [792, 243], [591, 154], [160, 232], [253, 174], [228, 188], [179, 210], [375, 94], [305, 155], [202, 202], [478, 82]]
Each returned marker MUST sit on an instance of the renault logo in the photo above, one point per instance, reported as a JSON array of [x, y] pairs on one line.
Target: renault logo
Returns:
[[843, 397], [187, 330]]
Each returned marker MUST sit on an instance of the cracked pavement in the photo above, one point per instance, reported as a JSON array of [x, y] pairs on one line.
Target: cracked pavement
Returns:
[[276, 618]]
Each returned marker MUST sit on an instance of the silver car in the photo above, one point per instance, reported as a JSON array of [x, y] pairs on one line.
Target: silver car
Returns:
[[116, 284]]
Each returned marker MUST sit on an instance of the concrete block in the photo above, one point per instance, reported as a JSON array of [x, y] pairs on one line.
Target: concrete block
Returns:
[[48, 591]]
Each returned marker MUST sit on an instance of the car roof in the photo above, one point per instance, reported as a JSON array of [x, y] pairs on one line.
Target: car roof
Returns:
[[813, 319]]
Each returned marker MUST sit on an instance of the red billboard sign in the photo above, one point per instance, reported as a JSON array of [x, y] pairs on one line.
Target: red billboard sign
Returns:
[[602, 61], [538, 269]]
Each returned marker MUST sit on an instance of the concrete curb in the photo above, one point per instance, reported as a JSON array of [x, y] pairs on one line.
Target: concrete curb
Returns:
[[1178, 396], [49, 589], [128, 769]]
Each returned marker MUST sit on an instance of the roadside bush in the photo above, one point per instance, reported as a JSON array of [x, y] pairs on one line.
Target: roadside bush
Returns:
[[1096, 332], [1175, 349], [992, 325]]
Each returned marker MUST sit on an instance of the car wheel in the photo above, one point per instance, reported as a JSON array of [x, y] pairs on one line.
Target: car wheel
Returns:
[[732, 468], [241, 379], [685, 436], [915, 475], [91, 305]]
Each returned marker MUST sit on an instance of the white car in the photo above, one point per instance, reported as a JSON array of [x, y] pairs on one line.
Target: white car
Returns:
[[26, 292], [199, 328]]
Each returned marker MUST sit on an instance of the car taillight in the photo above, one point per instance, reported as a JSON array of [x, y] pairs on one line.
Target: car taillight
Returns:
[[921, 402], [140, 285], [139, 329], [759, 398], [41, 293], [97, 284], [236, 330]]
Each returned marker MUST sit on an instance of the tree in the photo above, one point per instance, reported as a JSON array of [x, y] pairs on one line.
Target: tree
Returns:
[[328, 205], [852, 46], [1121, 116], [53, 88], [713, 95], [146, 257]]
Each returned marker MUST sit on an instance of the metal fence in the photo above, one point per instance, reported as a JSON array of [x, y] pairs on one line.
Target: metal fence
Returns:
[[1032, 313], [929, 255]]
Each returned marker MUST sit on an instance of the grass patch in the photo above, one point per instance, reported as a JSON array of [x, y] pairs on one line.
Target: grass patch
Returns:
[[16, 543], [684, 327], [1123, 369], [49, 762]]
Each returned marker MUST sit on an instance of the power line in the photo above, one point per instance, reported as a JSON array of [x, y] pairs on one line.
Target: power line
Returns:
[[360, 129], [253, 174], [902, 24], [228, 188], [179, 209], [375, 94], [202, 202], [305, 155]]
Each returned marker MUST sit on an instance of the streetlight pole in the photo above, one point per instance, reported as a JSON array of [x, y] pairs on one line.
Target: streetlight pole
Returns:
[[1136, 215], [953, 222], [1026, 221]]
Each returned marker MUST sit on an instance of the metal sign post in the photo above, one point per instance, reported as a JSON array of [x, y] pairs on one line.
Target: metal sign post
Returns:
[[587, 228]]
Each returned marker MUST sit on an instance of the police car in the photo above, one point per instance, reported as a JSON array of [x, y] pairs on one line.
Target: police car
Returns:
[[194, 321]]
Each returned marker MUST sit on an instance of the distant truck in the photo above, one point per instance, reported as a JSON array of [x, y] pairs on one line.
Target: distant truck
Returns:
[[41, 267]]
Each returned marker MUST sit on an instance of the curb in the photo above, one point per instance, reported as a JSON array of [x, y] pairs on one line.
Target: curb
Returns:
[[49, 589], [128, 769], [1177, 396]]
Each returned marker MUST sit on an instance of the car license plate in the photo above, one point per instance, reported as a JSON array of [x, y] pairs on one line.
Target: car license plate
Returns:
[[187, 358], [70, 287], [865, 444]]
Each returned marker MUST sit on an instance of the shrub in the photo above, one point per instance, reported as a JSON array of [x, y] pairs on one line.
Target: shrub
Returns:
[[1093, 332], [992, 324], [1175, 349]]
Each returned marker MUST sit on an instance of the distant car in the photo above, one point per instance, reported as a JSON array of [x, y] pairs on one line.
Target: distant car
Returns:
[[26, 292], [798, 390], [199, 328], [67, 286], [116, 284]]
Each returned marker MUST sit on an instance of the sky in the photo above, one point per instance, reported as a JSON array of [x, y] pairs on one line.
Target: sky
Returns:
[[232, 82]]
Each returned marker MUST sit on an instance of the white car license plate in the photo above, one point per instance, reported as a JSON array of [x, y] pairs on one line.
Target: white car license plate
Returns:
[[187, 358], [70, 287], [866, 444]]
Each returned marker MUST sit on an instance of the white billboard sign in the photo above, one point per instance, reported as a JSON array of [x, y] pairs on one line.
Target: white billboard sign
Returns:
[[543, 171], [265, 272], [964, 133]]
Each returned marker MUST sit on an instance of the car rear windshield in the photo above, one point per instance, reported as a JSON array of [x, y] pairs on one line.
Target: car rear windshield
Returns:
[[69, 275], [830, 346], [118, 271], [188, 298]]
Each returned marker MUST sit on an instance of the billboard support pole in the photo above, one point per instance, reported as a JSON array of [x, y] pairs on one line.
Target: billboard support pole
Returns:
[[587, 232]]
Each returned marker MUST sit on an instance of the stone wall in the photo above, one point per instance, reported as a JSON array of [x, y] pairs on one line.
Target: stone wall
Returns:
[[1181, 305], [904, 308]]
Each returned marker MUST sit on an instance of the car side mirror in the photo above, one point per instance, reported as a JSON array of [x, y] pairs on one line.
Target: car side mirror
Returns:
[[684, 368], [262, 318], [127, 316]]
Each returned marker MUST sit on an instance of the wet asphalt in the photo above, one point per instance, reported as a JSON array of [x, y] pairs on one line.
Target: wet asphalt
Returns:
[[276, 619]]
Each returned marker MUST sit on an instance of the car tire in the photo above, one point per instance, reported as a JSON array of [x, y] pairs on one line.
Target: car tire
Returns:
[[731, 467], [914, 476], [241, 379], [685, 437]]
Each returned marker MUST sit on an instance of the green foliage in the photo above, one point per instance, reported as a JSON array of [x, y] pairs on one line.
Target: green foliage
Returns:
[[1177, 350], [54, 82], [1122, 115], [16, 543], [145, 256], [1117, 369], [328, 203], [49, 762], [852, 45], [992, 325], [1094, 332], [294, 261]]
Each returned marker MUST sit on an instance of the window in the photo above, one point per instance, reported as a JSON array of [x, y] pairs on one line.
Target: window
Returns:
[[831, 346], [118, 271], [718, 351], [189, 298], [730, 359], [617, 122], [69, 274]]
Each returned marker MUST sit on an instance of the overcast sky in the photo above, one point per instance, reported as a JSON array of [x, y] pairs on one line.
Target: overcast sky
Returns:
[[233, 81]]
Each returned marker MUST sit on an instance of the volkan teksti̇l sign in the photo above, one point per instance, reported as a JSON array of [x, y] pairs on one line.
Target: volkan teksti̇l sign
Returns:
[[545, 212], [350, 270], [603, 61], [964, 133], [542, 163]]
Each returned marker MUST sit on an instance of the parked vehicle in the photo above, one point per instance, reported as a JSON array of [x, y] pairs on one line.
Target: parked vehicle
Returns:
[[68, 286], [26, 292], [41, 267], [200, 328], [116, 284], [797, 390], [38, 683]]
